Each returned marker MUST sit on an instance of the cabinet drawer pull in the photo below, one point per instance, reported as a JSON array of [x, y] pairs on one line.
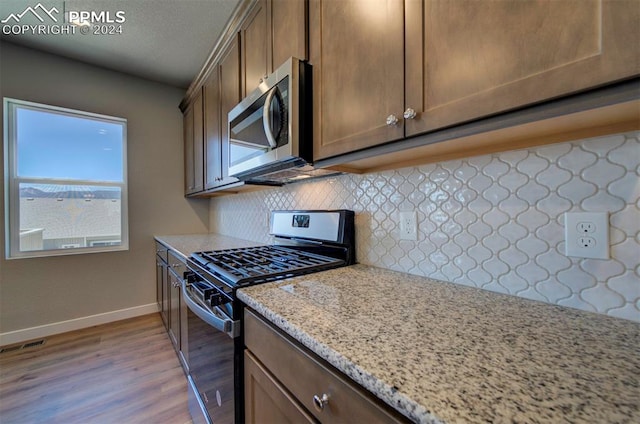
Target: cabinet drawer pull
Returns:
[[392, 120], [320, 402], [409, 113]]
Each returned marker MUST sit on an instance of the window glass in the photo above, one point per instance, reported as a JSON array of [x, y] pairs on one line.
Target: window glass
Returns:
[[66, 192]]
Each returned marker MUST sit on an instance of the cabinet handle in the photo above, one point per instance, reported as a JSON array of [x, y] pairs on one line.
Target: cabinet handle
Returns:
[[175, 265], [409, 113], [175, 284], [392, 120], [319, 402]]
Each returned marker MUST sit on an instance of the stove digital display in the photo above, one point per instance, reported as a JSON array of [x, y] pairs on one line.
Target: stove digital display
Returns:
[[301, 221]]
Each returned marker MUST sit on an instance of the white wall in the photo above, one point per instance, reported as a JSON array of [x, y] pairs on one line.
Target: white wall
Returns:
[[43, 291], [495, 222]]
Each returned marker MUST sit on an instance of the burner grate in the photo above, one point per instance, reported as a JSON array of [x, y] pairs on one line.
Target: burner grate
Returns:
[[263, 263]]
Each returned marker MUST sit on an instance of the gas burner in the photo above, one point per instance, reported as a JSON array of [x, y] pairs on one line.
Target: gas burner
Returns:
[[241, 267], [311, 241]]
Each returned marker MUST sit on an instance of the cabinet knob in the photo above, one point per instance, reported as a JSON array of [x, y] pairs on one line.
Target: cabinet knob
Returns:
[[409, 113], [319, 402], [392, 120]]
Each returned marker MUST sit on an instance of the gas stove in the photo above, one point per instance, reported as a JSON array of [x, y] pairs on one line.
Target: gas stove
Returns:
[[309, 241], [306, 242]]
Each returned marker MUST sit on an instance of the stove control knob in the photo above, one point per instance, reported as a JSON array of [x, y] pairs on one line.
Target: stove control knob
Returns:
[[216, 299], [319, 402]]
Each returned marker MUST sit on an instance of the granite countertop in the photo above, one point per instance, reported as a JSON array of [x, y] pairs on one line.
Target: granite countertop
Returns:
[[186, 244], [440, 352]]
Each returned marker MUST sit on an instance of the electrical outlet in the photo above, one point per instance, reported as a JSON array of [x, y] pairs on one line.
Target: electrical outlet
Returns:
[[408, 225], [586, 227], [587, 242], [586, 234]]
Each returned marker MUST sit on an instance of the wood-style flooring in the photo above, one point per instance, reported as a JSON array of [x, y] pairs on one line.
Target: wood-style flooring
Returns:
[[122, 372]]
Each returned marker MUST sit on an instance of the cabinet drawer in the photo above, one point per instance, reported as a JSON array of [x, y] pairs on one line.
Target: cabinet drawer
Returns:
[[161, 251], [176, 263], [305, 376]]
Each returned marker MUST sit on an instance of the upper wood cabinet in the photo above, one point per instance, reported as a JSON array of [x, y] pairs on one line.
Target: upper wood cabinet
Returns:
[[221, 93], [273, 31], [288, 20], [212, 128], [467, 60], [255, 48], [194, 146], [229, 98], [356, 51], [432, 64]]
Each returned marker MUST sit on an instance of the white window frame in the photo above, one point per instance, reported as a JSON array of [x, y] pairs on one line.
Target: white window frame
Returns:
[[12, 182]]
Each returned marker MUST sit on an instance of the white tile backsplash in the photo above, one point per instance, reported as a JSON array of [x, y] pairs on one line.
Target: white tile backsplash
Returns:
[[494, 221]]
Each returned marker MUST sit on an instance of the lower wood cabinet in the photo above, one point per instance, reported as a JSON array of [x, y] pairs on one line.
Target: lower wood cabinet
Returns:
[[286, 383], [170, 268], [267, 401]]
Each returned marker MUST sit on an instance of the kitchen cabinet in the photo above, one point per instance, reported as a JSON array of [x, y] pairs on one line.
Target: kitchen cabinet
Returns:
[[170, 268], [162, 298], [229, 98], [255, 55], [387, 70], [290, 384], [176, 268], [273, 31], [194, 146], [221, 93], [212, 126], [266, 399], [356, 51], [471, 59]]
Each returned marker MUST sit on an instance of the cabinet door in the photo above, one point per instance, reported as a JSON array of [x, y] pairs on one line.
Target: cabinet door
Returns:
[[187, 125], [255, 48], [266, 401], [212, 130], [198, 144], [161, 291], [468, 59], [288, 20], [194, 147], [229, 98], [173, 290], [356, 48]]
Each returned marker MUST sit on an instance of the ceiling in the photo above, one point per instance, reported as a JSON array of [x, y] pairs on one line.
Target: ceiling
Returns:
[[166, 41]]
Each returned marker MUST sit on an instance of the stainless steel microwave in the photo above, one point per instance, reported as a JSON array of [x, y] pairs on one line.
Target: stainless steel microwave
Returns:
[[270, 131]]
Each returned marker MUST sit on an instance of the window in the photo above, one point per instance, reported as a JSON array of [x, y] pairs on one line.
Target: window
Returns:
[[65, 181]]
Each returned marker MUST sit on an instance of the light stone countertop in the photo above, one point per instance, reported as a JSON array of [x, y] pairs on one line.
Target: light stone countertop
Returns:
[[440, 352], [186, 244]]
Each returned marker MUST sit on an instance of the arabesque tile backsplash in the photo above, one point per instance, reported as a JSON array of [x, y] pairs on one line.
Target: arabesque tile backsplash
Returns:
[[493, 222]]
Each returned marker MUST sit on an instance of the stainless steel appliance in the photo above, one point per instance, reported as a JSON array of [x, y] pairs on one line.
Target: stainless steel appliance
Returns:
[[306, 242], [270, 131]]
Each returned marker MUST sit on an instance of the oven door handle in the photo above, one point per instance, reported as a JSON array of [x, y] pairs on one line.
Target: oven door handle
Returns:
[[214, 317]]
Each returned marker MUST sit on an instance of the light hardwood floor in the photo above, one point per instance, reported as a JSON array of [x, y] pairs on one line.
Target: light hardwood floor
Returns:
[[122, 372]]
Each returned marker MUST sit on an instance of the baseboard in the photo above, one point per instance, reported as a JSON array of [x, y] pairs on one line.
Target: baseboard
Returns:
[[18, 336]]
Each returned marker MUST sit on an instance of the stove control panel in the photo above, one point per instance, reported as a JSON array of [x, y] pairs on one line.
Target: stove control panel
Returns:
[[326, 226]]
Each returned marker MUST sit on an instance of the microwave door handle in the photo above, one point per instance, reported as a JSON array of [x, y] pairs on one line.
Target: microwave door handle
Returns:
[[213, 319], [266, 115]]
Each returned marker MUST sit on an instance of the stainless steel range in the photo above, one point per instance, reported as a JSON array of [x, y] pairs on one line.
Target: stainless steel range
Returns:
[[306, 242]]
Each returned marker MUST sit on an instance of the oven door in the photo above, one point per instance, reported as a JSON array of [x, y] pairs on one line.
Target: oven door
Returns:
[[212, 333]]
